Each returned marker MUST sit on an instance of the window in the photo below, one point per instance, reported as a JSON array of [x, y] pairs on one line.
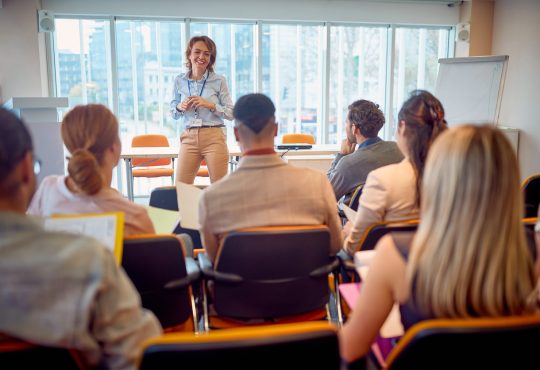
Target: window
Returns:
[[292, 76], [149, 54], [83, 61], [357, 71], [417, 51], [311, 71]]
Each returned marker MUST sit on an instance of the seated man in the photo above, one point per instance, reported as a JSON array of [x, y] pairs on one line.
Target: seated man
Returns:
[[351, 167], [264, 190], [57, 289]]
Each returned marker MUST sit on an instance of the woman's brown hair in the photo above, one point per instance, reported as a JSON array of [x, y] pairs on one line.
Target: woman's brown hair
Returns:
[[88, 131], [423, 115], [209, 44]]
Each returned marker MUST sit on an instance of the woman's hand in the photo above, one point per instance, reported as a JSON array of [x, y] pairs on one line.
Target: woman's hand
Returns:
[[199, 102], [183, 106]]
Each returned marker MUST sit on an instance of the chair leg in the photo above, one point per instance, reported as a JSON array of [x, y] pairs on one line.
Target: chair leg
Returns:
[[206, 326]]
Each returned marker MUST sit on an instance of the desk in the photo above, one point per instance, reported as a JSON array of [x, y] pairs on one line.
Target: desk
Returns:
[[234, 153], [143, 152]]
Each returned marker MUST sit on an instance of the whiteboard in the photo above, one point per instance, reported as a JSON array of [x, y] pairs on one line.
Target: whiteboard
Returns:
[[470, 89]]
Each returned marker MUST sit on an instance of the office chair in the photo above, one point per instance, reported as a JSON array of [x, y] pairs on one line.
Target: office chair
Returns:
[[369, 240], [298, 139], [531, 194], [152, 167], [480, 343], [163, 275], [312, 345], [17, 354], [268, 275], [355, 197], [165, 197]]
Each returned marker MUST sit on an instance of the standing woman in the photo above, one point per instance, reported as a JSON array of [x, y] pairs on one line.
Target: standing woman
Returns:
[[201, 97]]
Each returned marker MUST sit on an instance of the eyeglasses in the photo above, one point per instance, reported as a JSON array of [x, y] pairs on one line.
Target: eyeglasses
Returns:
[[37, 166]]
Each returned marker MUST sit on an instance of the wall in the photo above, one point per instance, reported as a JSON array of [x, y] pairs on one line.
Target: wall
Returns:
[[21, 68], [378, 11], [516, 29], [481, 27]]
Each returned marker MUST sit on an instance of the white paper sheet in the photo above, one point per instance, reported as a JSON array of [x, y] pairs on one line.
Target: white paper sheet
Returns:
[[349, 212], [102, 227], [188, 204], [164, 220]]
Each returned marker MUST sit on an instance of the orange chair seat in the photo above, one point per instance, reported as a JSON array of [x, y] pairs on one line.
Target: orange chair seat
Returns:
[[152, 172], [203, 172]]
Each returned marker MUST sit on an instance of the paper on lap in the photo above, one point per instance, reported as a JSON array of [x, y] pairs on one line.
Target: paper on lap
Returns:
[[349, 212], [164, 220]]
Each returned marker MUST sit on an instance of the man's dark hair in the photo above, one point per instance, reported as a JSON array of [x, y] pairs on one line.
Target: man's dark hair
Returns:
[[254, 111], [367, 117], [15, 141]]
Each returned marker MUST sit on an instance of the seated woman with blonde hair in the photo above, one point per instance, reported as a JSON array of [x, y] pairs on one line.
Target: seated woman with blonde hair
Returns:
[[469, 257], [90, 133]]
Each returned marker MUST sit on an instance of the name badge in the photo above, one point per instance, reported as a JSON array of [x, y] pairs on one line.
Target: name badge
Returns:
[[196, 123]]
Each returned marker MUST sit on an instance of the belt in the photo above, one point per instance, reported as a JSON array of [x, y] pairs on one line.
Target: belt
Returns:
[[216, 126]]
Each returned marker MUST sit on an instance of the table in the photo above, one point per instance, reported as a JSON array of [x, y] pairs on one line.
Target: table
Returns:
[[235, 153]]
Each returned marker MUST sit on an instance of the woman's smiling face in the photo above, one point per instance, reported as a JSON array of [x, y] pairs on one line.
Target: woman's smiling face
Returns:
[[200, 56]]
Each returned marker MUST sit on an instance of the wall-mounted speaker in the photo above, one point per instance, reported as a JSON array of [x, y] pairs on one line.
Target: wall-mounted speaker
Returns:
[[45, 21], [463, 32]]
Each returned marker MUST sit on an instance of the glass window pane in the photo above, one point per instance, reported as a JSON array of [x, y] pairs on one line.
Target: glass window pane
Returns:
[[150, 56], [82, 61], [417, 52], [357, 71], [292, 76]]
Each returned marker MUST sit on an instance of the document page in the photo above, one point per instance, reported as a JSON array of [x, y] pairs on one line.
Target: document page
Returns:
[[349, 212], [164, 220], [188, 204], [108, 228]]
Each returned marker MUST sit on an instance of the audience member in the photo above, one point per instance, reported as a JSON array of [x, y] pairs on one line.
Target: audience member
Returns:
[[57, 289], [362, 151], [393, 192], [264, 190], [90, 133], [469, 257]]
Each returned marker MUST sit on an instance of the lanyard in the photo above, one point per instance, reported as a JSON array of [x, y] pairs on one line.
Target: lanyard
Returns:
[[202, 88]]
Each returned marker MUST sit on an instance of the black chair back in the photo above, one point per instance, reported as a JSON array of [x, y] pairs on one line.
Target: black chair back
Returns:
[[15, 354], [501, 343], [531, 194], [165, 198], [276, 271], [293, 346], [153, 263]]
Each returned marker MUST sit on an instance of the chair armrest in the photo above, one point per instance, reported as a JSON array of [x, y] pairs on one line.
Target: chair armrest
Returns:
[[346, 261], [326, 269], [193, 274], [210, 274], [187, 244]]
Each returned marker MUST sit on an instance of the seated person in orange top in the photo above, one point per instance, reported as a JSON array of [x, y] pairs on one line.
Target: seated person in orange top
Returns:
[[469, 257], [264, 190], [57, 289], [90, 133]]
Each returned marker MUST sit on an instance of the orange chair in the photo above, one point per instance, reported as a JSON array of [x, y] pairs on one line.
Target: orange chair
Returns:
[[298, 138], [151, 167], [203, 170]]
